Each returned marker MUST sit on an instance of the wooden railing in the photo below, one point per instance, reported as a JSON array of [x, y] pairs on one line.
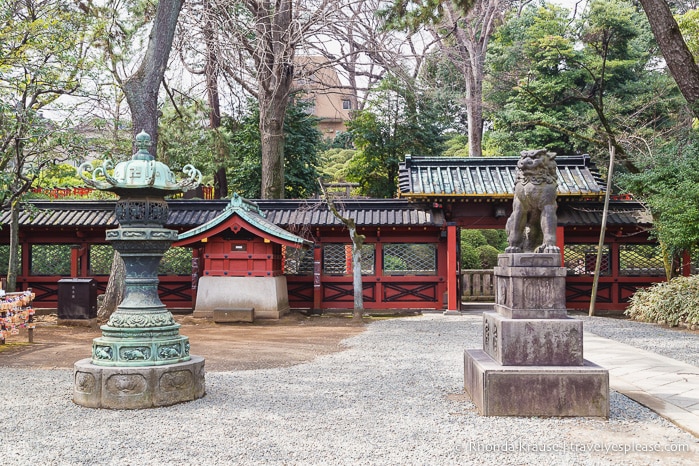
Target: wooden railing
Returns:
[[477, 285]]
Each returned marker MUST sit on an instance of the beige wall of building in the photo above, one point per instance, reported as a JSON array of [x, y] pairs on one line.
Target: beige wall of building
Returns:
[[322, 87]]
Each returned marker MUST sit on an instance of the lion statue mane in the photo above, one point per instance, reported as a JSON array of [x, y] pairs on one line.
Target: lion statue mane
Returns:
[[532, 225]]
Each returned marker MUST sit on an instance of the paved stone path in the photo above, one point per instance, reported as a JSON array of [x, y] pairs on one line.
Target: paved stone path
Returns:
[[665, 385]]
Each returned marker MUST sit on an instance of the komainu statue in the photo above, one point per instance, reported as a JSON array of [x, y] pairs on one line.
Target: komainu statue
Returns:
[[532, 225]]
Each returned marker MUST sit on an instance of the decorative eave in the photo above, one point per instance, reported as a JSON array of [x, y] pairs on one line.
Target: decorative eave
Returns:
[[242, 214], [451, 178]]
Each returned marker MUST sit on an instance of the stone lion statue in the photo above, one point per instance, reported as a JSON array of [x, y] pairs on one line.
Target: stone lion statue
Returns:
[[532, 225]]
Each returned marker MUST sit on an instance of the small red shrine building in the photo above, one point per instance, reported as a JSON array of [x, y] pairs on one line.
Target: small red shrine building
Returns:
[[237, 262]]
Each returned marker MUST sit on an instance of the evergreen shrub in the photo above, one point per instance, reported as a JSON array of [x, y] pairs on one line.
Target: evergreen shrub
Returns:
[[672, 303]]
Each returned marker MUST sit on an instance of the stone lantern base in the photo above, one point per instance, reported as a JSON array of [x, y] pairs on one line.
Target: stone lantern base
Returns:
[[137, 387]]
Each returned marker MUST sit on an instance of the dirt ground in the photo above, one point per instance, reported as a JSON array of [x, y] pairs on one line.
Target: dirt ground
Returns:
[[294, 339]]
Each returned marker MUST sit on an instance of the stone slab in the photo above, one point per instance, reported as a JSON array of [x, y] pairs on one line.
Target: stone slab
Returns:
[[529, 259], [234, 315], [137, 387], [267, 295], [510, 313], [556, 391], [533, 342]]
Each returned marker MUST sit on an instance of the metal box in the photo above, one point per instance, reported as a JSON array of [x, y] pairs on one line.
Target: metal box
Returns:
[[77, 298]]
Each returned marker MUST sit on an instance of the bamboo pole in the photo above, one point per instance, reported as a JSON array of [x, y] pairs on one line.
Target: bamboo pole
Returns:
[[603, 229]]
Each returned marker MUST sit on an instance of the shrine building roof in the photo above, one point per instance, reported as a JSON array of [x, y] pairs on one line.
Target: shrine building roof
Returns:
[[250, 217], [490, 177]]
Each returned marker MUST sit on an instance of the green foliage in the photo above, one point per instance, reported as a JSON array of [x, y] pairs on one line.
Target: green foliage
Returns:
[[393, 263], [302, 144], [496, 238], [245, 171], [689, 25], [414, 13], [469, 257], [398, 121], [60, 175], [559, 83], [50, 259], [480, 248], [185, 137], [671, 303], [669, 184], [176, 261], [334, 164], [473, 238], [342, 140], [456, 146], [42, 57], [488, 255]]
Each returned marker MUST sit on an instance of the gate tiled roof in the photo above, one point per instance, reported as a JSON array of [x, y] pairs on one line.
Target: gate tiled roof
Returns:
[[490, 177], [186, 214]]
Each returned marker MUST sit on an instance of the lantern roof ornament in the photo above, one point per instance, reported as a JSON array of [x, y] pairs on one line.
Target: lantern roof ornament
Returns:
[[142, 173]]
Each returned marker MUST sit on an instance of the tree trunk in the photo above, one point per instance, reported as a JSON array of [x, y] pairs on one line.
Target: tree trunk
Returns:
[[474, 112], [141, 89], [357, 242], [679, 59], [211, 70], [13, 261], [472, 35], [114, 293], [272, 145], [275, 75]]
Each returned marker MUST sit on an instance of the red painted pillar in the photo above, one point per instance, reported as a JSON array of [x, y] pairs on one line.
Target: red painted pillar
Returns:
[[452, 272], [560, 242], [686, 264]]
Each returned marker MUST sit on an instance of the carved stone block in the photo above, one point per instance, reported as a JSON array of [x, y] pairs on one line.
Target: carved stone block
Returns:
[[530, 286], [138, 387], [533, 342]]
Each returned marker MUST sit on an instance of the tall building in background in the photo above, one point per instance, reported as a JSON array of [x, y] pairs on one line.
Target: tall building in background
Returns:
[[321, 87]]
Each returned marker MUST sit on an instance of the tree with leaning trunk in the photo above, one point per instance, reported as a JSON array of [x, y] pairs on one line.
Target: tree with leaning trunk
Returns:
[[678, 57]]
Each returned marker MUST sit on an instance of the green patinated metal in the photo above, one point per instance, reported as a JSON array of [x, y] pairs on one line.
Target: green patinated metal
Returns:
[[142, 331], [250, 213]]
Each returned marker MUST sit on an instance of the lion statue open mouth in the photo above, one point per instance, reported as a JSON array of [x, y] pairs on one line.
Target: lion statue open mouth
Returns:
[[532, 225]]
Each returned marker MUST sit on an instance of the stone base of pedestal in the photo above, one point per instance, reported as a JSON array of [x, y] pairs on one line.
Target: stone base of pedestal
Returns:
[[267, 295], [137, 387], [533, 342], [563, 391]]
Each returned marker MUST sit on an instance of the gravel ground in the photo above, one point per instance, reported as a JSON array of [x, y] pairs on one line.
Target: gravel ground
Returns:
[[394, 396]]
